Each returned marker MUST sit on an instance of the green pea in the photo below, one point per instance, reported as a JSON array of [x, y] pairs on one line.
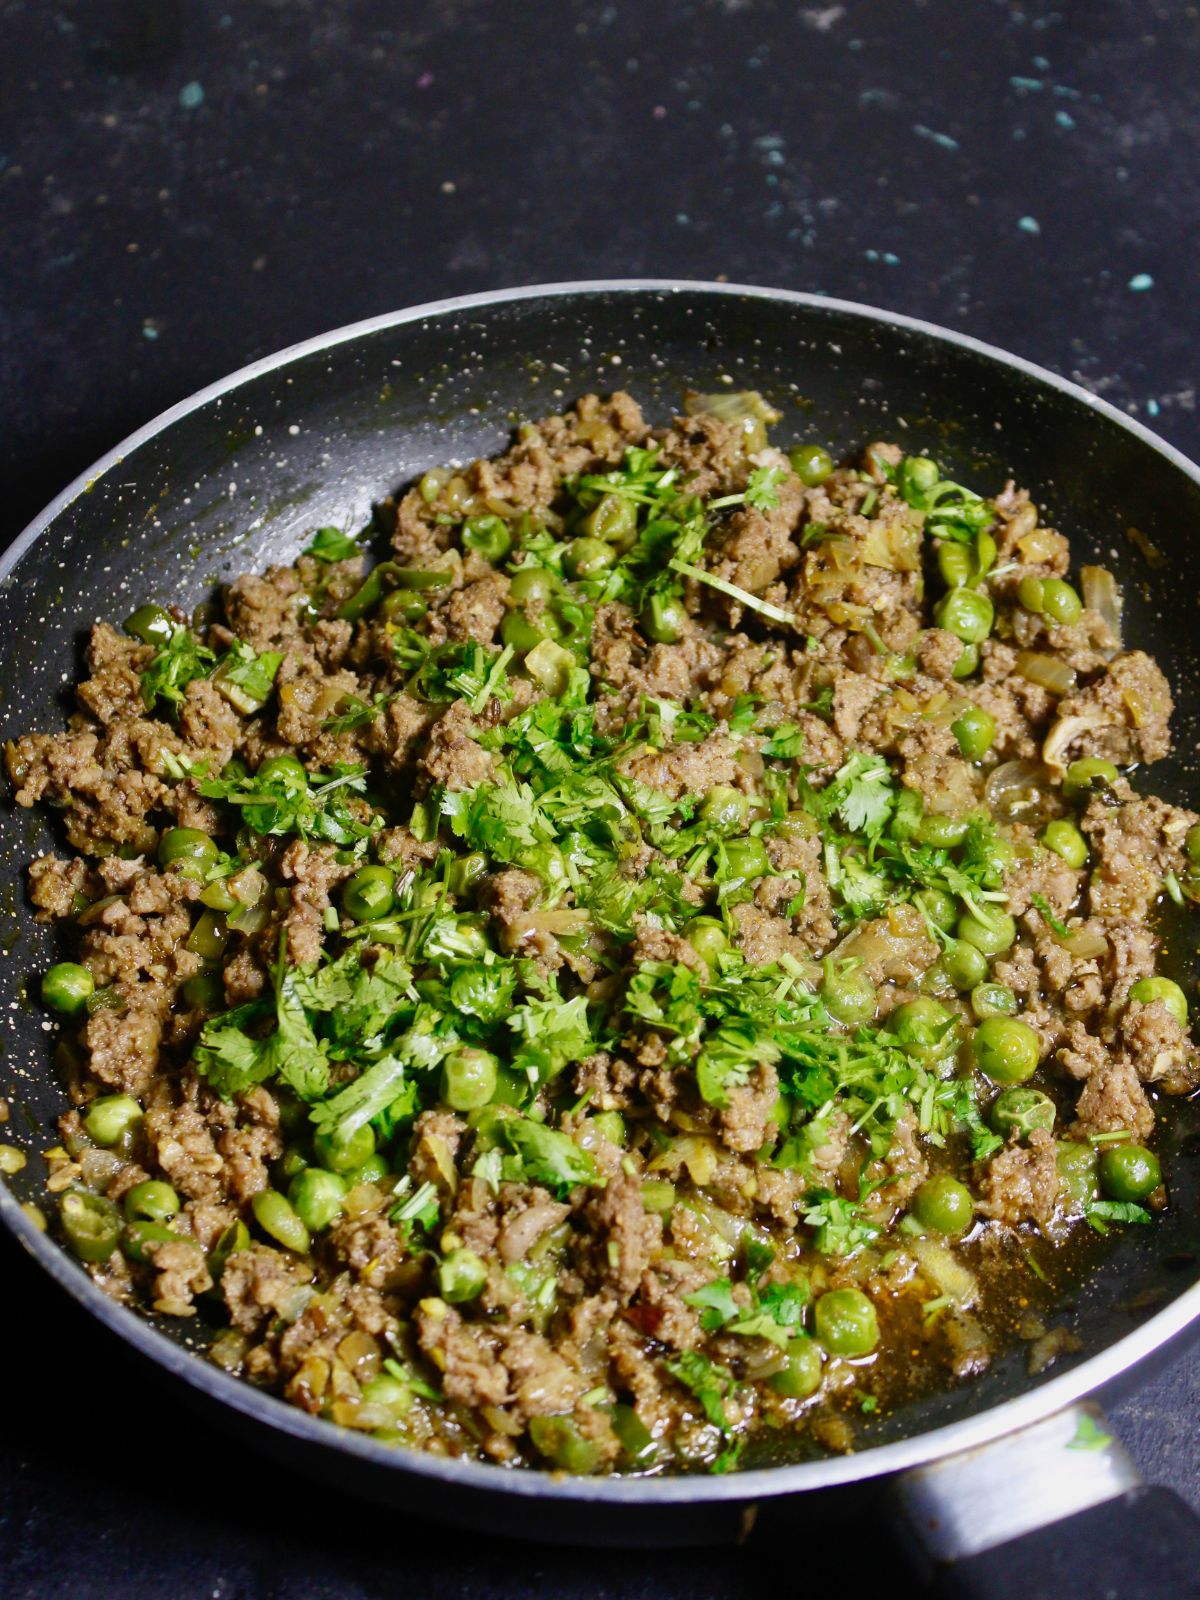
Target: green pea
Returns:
[[1060, 602], [209, 937], [966, 613], [1030, 594], [278, 1221], [488, 535], [403, 605], [90, 1223], [1006, 1049], [111, 1118], [151, 1201], [954, 564], [944, 1205], [613, 519], [1077, 1170], [67, 987], [532, 583], [1191, 843], [907, 811], [152, 625], [1065, 839], [747, 858], [560, 1441], [965, 966], [468, 1079], [1083, 776], [935, 980], [1022, 1111], [1128, 1171], [800, 1375], [993, 1000], [993, 936], [811, 463], [848, 995], [461, 1276], [373, 1169], [370, 893], [523, 635], [1147, 990], [344, 1154], [317, 1197], [967, 663], [707, 938], [587, 558], [920, 473], [136, 1236], [664, 619], [941, 908], [942, 832], [975, 731], [284, 772], [188, 846], [923, 1029], [725, 809], [466, 873], [846, 1323], [204, 992]]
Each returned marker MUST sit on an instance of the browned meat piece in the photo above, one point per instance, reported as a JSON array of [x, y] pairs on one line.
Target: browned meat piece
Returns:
[[1124, 716], [1021, 1184]]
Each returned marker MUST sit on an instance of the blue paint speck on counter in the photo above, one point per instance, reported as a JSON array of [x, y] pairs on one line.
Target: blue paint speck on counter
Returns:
[[1152, 408], [191, 95], [1064, 119], [1029, 225], [1141, 281], [1026, 84]]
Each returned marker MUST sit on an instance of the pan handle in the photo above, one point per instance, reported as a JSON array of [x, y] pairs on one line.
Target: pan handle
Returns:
[[1056, 1511]]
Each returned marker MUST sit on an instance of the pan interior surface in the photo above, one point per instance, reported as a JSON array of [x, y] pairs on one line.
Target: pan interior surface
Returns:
[[241, 478]]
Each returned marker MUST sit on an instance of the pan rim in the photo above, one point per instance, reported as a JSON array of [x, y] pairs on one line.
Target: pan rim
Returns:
[[1096, 1372]]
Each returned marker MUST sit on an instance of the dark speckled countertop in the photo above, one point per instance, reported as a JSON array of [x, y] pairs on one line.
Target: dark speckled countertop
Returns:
[[186, 185]]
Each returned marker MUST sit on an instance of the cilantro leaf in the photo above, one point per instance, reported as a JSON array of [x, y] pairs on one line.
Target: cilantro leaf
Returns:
[[1101, 1212], [246, 679], [331, 544], [707, 1381], [548, 1156], [715, 1302], [181, 660]]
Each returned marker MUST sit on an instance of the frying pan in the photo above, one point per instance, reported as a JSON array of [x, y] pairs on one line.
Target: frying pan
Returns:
[[240, 474]]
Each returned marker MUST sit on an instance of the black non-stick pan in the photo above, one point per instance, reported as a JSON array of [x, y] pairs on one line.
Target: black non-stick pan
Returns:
[[238, 477]]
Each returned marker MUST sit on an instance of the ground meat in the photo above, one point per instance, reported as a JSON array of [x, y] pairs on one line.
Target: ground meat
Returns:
[[745, 1122], [1133, 847], [182, 1273], [123, 1048], [1112, 1099], [687, 769], [255, 1282], [1161, 1051], [452, 756], [1124, 716], [1021, 1184]]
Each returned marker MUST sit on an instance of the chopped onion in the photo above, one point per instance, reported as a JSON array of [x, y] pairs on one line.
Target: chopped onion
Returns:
[[1084, 943], [1048, 672], [744, 406], [1016, 786], [1101, 595], [946, 1272], [1064, 734]]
